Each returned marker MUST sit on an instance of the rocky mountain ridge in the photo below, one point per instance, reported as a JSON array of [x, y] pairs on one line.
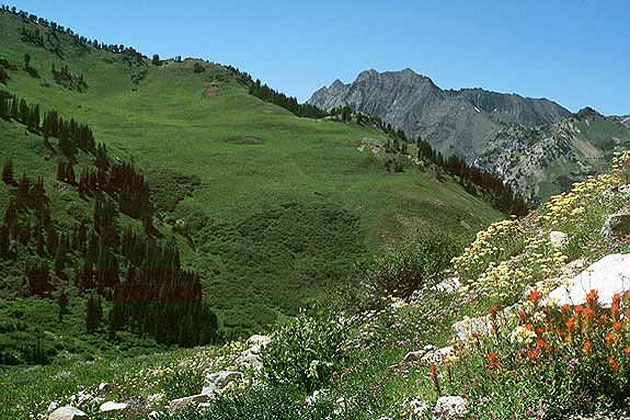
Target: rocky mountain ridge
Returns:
[[535, 145], [453, 121]]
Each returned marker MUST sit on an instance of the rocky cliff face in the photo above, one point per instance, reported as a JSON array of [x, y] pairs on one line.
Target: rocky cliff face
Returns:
[[548, 159], [535, 145], [453, 121]]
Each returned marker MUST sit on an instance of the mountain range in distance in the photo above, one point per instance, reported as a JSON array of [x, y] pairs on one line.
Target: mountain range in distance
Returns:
[[536, 146]]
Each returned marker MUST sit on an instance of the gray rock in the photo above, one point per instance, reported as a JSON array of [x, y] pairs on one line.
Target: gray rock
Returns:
[[258, 340], [428, 355], [216, 381], [180, 403], [52, 407], [68, 413], [616, 226]]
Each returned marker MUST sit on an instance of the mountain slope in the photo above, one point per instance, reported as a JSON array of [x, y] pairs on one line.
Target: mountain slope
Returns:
[[453, 121], [272, 210], [543, 161]]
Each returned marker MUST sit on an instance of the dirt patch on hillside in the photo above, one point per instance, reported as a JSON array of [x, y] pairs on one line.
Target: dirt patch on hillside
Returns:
[[246, 140], [211, 91]]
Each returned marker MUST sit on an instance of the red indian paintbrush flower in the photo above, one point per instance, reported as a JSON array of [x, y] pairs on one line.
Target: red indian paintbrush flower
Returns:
[[592, 298], [534, 297], [588, 348], [613, 364]]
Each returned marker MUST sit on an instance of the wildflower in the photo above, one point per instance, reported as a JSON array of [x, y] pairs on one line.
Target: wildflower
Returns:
[[627, 350], [566, 309], [610, 339], [493, 360], [613, 364], [617, 326], [523, 335], [494, 310], [540, 343], [588, 348], [533, 355], [534, 297], [571, 325], [591, 298], [614, 311], [433, 374], [522, 316]]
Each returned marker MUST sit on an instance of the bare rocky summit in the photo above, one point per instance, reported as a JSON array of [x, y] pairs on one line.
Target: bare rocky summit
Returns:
[[453, 121]]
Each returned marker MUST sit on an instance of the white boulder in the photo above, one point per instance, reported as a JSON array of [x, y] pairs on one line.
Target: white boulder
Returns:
[[67, 413], [113, 407], [609, 275]]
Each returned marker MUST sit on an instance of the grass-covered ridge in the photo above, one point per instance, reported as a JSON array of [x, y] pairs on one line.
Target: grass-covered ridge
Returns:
[[272, 210]]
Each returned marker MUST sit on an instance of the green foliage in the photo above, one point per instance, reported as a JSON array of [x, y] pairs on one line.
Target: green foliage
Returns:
[[182, 382], [400, 272], [307, 352]]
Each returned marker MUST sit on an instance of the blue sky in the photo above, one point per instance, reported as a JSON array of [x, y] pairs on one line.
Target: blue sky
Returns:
[[576, 52]]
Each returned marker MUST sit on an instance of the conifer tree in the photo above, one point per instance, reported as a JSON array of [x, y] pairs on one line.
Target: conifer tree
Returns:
[[94, 312], [7, 173]]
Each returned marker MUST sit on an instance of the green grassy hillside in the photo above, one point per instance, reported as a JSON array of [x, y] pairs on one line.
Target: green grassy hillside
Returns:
[[271, 209]]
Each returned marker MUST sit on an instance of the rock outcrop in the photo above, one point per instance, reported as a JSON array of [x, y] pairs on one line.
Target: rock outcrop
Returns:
[[616, 226], [68, 412], [450, 407]]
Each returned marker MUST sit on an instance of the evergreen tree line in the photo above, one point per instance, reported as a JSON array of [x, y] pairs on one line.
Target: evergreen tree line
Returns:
[[56, 28], [267, 94], [71, 134], [152, 295], [159, 298]]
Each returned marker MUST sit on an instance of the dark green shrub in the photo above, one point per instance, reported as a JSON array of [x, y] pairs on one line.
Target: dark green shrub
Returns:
[[399, 272]]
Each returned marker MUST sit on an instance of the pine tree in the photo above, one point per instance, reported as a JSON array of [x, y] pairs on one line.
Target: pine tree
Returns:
[[94, 312], [7, 173]]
